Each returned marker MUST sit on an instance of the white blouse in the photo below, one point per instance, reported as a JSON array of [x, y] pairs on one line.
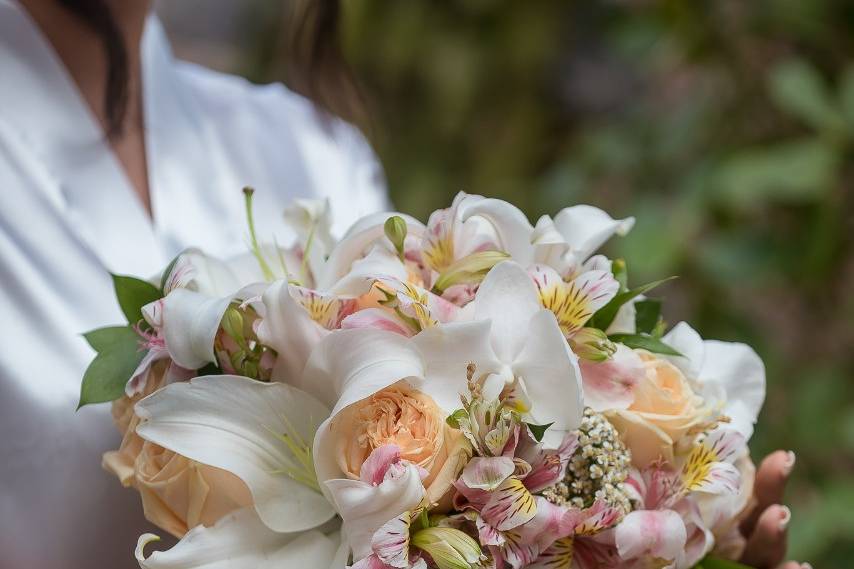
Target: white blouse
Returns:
[[68, 217]]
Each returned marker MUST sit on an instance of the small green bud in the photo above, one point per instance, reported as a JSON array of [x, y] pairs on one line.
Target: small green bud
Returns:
[[469, 270], [232, 323], [593, 345], [449, 548], [395, 230]]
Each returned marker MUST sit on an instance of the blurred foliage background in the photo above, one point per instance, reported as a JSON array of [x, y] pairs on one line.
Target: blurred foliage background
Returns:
[[726, 127]]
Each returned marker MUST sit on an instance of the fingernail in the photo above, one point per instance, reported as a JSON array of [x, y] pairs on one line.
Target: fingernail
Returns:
[[806, 566], [789, 465], [785, 517]]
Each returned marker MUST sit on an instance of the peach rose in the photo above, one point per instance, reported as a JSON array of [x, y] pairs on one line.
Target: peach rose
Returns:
[[410, 419], [665, 409], [177, 493]]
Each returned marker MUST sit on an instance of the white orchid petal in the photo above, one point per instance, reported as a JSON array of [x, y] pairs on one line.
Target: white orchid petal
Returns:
[[685, 340], [350, 365], [586, 228], [551, 377], [446, 350], [508, 298], [365, 508], [739, 371], [287, 328], [190, 323], [240, 540], [239, 425]]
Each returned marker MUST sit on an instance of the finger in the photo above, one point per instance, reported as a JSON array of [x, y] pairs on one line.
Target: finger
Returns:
[[771, 478], [766, 547], [794, 565]]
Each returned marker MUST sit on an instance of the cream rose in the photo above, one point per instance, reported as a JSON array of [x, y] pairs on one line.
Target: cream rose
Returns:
[[665, 409], [177, 493], [410, 419]]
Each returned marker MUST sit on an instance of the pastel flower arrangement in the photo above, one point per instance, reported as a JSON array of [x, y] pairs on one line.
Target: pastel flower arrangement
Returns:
[[473, 392]]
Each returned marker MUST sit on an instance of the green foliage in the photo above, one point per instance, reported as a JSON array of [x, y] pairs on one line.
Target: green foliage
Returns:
[[605, 315], [647, 315], [539, 430], [133, 294], [118, 356], [644, 342]]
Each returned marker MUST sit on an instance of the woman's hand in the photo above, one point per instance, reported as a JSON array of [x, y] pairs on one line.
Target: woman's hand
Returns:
[[766, 527]]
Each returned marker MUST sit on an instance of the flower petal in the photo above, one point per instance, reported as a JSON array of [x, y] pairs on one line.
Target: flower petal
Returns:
[[659, 534], [611, 384], [509, 223], [365, 508], [376, 318], [356, 242], [390, 543], [287, 328], [446, 351], [350, 365], [487, 473], [190, 323], [507, 297], [739, 372], [250, 429], [509, 506], [551, 376], [586, 228], [240, 540]]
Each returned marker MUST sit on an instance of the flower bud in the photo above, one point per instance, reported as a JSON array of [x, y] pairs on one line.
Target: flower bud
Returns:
[[468, 270], [593, 345], [395, 230]]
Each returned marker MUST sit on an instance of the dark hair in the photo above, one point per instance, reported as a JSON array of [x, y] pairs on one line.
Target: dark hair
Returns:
[[97, 15], [316, 66]]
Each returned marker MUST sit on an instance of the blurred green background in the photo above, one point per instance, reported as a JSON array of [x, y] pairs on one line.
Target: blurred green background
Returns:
[[725, 127]]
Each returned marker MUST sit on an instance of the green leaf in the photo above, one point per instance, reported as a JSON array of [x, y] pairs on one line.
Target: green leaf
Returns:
[[644, 342], [710, 562], [797, 171], [133, 294], [605, 315], [118, 357], [799, 89], [647, 315], [846, 95], [539, 430]]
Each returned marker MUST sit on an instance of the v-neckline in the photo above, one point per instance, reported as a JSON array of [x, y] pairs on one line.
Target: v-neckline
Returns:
[[45, 106]]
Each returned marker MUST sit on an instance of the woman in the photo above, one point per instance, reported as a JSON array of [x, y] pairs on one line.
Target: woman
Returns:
[[113, 157]]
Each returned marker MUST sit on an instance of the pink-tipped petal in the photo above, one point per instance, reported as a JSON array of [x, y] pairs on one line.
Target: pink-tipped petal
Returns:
[[377, 464], [659, 534]]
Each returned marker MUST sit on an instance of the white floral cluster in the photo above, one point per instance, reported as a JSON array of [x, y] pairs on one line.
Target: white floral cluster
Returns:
[[473, 392]]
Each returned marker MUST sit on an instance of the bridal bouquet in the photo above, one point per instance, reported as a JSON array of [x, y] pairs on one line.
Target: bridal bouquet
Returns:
[[476, 392]]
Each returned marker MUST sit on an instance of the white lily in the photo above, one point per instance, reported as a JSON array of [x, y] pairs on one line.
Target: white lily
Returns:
[[240, 540], [729, 375], [261, 432]]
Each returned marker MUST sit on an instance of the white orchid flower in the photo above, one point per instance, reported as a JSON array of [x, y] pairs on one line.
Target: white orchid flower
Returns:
[[729, 376], [263, 434]]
